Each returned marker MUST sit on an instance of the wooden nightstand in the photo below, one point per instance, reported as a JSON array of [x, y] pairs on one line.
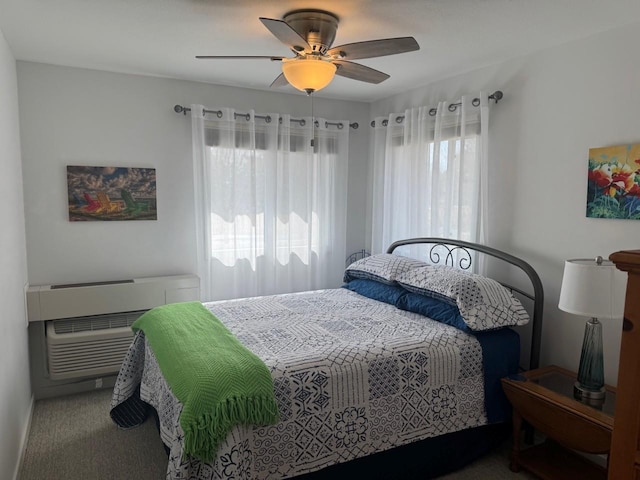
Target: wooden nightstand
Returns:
[[544, 398]]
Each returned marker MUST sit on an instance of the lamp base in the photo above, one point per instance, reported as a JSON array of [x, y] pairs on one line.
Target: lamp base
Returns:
[[590, 397], [590, 382]]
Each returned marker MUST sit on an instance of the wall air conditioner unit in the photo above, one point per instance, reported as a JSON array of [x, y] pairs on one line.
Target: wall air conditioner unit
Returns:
[[88, 346], [80, 333]]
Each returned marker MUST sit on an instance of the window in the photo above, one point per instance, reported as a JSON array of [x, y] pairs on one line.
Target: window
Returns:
[[271, 209]]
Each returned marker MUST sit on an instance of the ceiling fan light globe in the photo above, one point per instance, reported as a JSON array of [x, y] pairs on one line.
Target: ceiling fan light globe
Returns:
[[308, 74]]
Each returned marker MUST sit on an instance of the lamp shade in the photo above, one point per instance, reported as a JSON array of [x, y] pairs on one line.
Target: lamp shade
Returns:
[[308, 74], [592, 289]]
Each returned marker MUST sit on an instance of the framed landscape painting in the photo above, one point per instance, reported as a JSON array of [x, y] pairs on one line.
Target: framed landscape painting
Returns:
[[111, 193], [613, 188]]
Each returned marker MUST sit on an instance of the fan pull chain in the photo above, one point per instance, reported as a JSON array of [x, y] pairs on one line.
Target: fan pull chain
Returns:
[[313, 125]]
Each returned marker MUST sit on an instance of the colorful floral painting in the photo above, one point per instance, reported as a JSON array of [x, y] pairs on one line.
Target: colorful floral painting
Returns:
[[614, 182], [111, 193]]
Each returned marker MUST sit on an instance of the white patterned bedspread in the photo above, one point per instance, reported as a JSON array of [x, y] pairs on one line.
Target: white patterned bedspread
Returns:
[[351, 375]]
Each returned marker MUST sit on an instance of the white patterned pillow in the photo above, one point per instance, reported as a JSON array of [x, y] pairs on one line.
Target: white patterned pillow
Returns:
[[483, 303], [383, 268]]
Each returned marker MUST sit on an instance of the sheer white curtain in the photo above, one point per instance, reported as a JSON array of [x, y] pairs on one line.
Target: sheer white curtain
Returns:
[[430, 174], [270, 208]]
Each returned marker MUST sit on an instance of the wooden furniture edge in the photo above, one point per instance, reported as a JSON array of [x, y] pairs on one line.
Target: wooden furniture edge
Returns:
[[626, 260], [624, 461], [558, 399]]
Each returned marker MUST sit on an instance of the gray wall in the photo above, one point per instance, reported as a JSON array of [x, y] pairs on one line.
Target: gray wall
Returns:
[[558, 103], [15, 391], [74, 116]]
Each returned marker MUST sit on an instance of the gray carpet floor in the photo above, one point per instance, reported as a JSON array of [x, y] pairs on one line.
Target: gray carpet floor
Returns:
[[73, 438]]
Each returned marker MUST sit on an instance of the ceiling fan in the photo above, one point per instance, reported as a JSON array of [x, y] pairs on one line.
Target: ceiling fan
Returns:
[[309, 34]]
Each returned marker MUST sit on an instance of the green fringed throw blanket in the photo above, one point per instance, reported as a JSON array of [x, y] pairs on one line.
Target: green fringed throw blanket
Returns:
[[219, 382]]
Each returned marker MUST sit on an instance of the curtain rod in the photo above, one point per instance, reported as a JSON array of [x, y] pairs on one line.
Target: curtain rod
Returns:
[[497, 95], [267, 118]]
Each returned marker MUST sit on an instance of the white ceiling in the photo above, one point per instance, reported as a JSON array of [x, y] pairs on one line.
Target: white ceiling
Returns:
[[161, 37]]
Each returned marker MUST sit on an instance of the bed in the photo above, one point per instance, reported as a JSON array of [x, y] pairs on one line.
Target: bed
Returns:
[[365, 383]]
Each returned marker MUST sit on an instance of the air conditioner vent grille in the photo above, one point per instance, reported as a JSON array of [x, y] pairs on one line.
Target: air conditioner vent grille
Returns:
[[88, 346], [98, 322]]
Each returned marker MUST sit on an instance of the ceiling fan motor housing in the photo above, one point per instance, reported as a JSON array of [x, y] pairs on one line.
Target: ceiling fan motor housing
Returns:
[[317, 27], [309, 34]]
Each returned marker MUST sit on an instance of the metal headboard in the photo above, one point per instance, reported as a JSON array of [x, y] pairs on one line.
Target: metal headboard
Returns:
[[448, 248]]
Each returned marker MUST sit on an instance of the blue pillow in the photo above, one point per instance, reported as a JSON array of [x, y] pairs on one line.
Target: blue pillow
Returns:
[[433, 308], [377, 291]]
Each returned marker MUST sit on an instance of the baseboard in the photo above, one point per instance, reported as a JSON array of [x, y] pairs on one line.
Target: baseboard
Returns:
[[24, 440]]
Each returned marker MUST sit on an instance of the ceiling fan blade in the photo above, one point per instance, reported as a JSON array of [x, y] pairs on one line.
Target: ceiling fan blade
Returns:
[[287, 35], [375, 48], [238, 57], [356, 71], [280, 81]]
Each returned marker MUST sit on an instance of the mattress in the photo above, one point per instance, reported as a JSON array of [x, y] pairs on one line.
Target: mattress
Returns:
[[352, 376]]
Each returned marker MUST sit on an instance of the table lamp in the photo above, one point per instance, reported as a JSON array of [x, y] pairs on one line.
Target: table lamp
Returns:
[[596, 289]]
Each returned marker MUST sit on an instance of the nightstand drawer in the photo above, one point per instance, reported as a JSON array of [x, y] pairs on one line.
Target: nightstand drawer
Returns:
[[544, 398], [567, 427]]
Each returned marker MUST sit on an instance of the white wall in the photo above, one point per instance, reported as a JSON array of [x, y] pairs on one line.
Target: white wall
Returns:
[[83, 117], [15, 391], [558, 103]]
